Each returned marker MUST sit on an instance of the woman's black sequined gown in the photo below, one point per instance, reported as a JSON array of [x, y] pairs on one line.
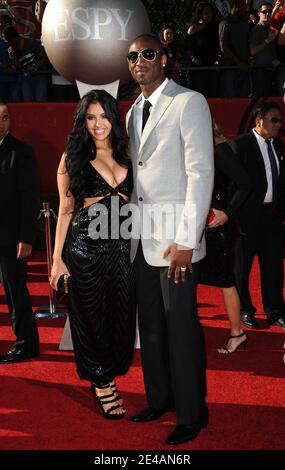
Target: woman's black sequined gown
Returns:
[[101, 287]]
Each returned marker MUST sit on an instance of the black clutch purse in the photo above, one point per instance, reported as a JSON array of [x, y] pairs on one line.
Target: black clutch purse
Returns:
[[62, 287]]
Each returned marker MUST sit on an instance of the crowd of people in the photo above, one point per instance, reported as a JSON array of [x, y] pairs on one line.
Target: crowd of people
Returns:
[[202, 207], [239, 55], [25, 71]]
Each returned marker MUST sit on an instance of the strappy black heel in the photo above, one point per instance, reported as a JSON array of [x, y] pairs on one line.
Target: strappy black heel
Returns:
[[227, 351], [106, 400], [116, 394]]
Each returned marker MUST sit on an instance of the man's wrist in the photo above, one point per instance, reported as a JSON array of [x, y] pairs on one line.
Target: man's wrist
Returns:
[[182, 247]]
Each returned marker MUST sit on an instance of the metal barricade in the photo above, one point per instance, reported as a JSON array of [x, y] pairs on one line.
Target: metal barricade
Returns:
[[52, 310]]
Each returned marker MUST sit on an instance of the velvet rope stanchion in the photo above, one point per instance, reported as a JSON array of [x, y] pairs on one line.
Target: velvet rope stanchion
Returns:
[[52, 310]]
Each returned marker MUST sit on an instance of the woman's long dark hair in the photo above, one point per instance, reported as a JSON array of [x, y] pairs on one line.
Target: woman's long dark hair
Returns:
[[80, 147]]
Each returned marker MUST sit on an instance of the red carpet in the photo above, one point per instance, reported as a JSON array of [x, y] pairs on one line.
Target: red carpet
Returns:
[[45, 406]]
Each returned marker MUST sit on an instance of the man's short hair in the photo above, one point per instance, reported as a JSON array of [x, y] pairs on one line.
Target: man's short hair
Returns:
[[264, 108], [265, 4], [152, 38]]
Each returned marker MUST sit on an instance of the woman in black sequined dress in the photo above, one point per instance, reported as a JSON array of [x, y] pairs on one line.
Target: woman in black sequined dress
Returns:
[[231, 188], [95, 183]]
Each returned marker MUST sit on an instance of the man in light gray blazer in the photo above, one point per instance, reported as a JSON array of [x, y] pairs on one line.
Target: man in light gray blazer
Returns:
[[171, 147]]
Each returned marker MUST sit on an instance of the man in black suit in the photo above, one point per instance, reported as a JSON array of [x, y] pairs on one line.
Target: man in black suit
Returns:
[[19, 205], [261, 216]]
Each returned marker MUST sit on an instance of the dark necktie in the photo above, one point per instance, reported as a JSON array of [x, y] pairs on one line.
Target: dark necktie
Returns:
[[145, 115], [274, 170]]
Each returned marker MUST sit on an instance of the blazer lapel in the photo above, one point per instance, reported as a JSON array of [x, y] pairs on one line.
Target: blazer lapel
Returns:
[[279, 152], [5, 144], [7, 155], [161, 106], [132, 128], [256, 153]]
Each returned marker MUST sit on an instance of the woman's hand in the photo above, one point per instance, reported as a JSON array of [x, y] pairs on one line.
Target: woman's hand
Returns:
[[220, 219], [58, 268]]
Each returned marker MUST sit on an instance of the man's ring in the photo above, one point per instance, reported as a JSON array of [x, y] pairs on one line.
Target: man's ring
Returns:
[[183, 269]]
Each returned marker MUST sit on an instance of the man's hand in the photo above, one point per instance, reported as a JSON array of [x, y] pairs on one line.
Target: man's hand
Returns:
[[180, 257], [23, 250]]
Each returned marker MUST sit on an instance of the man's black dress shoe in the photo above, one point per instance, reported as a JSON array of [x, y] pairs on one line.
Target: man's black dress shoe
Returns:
[[182, 433], [19, 354], [249, 320], [276, 320], [149, 414], [188, 432]]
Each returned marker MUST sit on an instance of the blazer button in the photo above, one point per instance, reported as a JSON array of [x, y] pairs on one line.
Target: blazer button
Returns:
[[140, 199], [140, 163]]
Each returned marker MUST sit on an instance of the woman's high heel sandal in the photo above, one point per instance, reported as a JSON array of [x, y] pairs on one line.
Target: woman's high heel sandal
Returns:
[[107, 399], [226, 350], [116, 394]]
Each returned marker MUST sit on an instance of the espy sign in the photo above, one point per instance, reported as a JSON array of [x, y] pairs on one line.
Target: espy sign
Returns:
[[90, 23], [88, 40]]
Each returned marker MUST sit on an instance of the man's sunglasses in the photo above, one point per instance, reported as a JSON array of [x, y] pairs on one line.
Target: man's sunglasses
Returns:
[[266, 12], [147, 54]]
